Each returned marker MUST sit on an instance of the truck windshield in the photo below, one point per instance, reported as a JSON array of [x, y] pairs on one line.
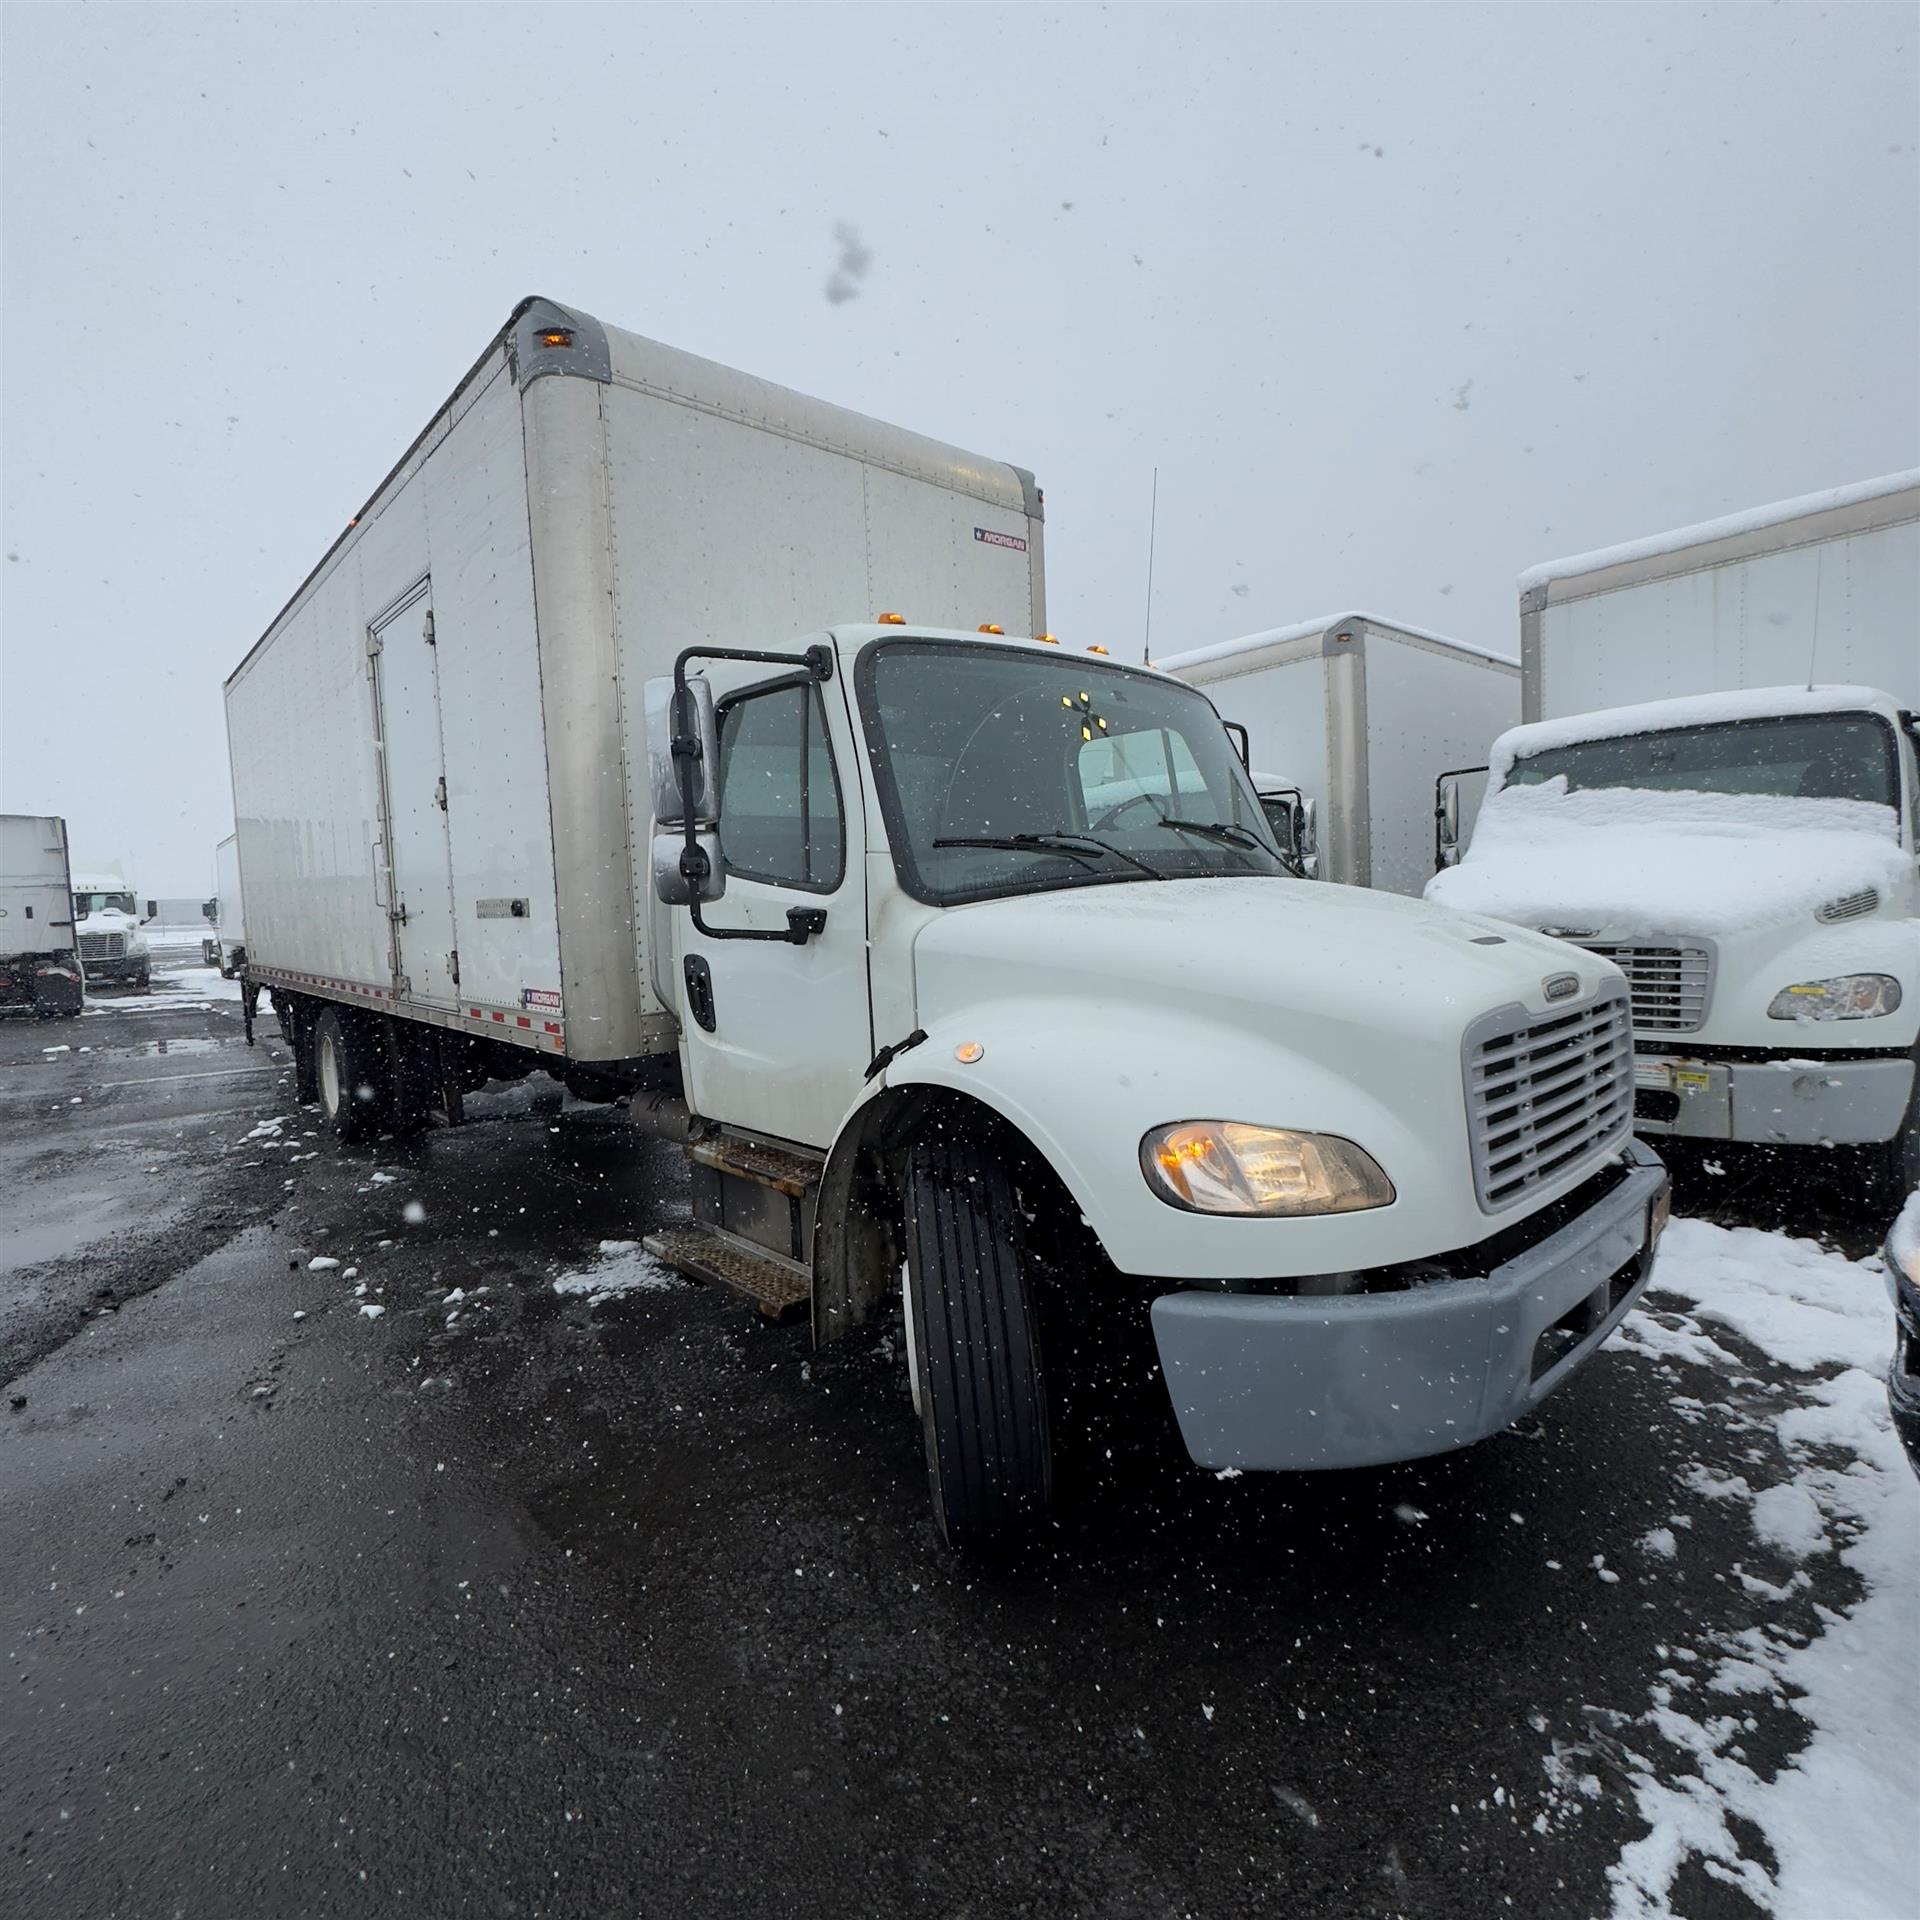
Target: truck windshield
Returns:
[[86, 903], [1823, 756], [1004, 770]]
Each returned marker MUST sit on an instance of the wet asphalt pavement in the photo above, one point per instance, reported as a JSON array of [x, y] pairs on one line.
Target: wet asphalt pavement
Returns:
[[519, 1604]]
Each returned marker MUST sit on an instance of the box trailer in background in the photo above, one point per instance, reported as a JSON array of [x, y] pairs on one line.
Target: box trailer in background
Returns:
[[39, 959], [1719, 791], [1360, 717], [225, 945]]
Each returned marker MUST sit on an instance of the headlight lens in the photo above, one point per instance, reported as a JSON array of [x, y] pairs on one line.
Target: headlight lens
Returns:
[[1849, 996], [1226, 1166]]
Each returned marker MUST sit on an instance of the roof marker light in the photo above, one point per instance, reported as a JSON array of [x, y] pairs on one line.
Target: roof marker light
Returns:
[[1048, 639], [892, 620], [987, 626], [1096, 648], [557, 337]]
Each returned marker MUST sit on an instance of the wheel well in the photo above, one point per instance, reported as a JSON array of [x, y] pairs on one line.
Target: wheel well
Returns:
[[856, 1242]]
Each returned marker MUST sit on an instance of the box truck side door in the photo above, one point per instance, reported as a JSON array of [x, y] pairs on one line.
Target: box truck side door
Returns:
[[413, 763], [776, 1036]]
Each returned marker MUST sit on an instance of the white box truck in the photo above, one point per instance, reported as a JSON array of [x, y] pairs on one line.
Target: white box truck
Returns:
[[39, 963], [225, 945], [655, 727], [1742, 838], [1351, 722]]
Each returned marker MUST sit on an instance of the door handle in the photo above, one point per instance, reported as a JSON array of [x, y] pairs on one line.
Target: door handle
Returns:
[[804, 922]]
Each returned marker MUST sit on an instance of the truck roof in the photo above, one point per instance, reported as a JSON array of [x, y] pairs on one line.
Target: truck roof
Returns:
[[1325, 623], [1892, 498]]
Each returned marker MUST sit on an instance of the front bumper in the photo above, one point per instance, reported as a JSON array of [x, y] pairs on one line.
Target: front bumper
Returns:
[[131, 966], [1289, 1382], [1791, 1101]]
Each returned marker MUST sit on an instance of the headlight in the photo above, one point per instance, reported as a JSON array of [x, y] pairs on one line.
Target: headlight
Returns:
[[1225, 1166], [1849, 996]]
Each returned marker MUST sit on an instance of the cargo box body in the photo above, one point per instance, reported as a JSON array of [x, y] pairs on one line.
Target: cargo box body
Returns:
[[1362, 716], [438, 751], [38, 963]]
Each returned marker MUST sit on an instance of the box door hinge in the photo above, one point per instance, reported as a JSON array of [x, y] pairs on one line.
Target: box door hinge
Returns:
[[440, 793], [374, 644], [426, 631], [453, 965]]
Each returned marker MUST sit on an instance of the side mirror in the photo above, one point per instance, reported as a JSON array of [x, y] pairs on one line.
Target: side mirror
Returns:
[[687, 718], [683, 874], [209, 909], [1242, 744], [1446, 816], [1309, 843], [153, 910]]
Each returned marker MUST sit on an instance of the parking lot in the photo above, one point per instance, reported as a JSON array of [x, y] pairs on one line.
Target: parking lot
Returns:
[[386, 1534]]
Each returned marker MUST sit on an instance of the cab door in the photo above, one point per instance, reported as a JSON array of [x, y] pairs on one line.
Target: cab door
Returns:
[[406, 678], [778, 1035]]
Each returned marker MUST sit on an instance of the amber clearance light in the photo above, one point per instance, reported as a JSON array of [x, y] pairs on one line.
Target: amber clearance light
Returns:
[[557, 337]]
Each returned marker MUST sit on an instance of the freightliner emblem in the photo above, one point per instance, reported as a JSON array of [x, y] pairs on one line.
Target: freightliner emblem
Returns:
[[1557, 986]]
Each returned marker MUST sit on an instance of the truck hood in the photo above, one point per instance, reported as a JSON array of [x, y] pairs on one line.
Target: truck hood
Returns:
[[1092, 1015], [1307, 958], [1621, 862]]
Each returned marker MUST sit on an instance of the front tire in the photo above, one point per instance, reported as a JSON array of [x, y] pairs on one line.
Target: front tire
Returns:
[[976, 1346], [345, 1073]]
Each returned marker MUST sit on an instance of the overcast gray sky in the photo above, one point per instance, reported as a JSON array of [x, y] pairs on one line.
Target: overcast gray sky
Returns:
[[1399, 300]]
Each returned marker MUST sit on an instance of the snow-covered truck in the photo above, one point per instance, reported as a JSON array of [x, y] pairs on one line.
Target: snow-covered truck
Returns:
[[655, 728], [110, 927], [39, 966], [1741, 839], [1356, 721], [225, 945]]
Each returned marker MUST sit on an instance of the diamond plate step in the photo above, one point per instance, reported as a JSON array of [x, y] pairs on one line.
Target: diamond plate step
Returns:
[[776, 1167], [777, 1287]]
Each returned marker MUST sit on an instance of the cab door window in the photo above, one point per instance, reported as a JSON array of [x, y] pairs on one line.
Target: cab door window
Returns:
[[780, 817]]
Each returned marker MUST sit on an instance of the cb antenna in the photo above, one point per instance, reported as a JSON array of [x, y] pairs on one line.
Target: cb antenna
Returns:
[[1153, 525]]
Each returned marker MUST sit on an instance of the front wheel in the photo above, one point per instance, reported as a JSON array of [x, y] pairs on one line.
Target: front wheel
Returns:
[[975, 1346]]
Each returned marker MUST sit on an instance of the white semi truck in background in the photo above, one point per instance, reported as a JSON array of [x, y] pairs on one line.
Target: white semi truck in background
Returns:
[[1719, 792], [110, 927], [39, 965], [225, 946], [1352, 720], [947, 953]]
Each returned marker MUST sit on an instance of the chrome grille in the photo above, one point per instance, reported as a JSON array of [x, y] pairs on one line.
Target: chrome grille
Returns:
[[103, 946], [1545, 1093], [1671, 985]]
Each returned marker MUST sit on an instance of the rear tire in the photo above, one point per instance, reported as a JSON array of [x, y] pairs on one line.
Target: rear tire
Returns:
[[347, 1076], [976, 1346]]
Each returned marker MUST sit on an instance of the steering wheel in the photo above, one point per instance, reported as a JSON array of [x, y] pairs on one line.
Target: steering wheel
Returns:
[[1132, 800]]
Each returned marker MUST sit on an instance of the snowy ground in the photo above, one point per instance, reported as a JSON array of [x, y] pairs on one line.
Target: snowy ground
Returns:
[[1839, 1820]]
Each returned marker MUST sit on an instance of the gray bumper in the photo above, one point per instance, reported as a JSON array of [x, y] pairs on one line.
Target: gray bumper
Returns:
[[1815, 1103], [1293, 1382]]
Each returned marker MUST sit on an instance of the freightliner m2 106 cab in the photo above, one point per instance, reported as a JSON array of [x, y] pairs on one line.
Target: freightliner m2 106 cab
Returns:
[[111, 930], [1747, 847], [964, 965]]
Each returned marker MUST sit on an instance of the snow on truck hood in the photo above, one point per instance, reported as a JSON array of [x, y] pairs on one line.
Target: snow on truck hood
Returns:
[[1628, 860], [1294, 950]]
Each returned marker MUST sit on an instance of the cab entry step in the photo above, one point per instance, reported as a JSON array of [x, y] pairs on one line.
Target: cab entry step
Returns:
[[778, 1287]]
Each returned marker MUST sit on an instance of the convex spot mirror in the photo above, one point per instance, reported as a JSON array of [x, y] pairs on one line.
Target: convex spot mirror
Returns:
[[678, 881], [1310, 838], [689, 716]]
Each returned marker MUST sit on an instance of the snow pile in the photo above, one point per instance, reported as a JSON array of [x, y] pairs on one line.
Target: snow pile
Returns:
[[1838, 1817], [622, 1268], [1632, 860], [1903, 1243]]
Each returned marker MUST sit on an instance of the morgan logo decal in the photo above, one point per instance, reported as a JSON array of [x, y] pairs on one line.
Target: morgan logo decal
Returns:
[[1560, 986], [993, 539], [543, 997]]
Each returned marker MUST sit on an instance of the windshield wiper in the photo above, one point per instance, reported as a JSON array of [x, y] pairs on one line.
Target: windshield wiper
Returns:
[[1055, 840], [1234, 836]]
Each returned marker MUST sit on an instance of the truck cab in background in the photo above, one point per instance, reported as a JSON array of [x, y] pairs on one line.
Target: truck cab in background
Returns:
[[225, 944], [1747, 853], [108, 923]]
